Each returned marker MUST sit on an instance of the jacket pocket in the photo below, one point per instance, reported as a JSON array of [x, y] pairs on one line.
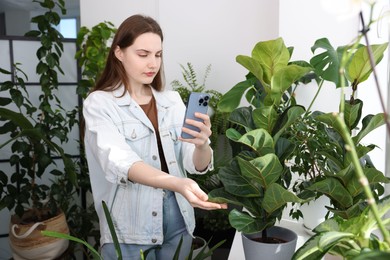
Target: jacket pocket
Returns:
[[138, 136]]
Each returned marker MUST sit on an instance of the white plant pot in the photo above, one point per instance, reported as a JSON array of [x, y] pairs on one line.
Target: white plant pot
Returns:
[[254, 250], [314, 213]]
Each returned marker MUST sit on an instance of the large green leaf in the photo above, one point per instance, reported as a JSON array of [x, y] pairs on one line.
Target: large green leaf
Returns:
[[369, 123], [276, 197], [232, 98], [359, 68], [254, 66], [354, 187], [272, 55], [333, 189], [331, 120], [235, 183], [242, 116], [282, 79], [329, 239], [265, 117], [16, 118], [349, 212], [259, 140], [286, 119], [353, 113], [268, 168], [318, 245], [327, 63], [309, 250], [243, 222]]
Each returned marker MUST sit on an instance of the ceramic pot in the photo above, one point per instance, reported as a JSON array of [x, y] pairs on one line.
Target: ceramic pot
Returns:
[[314, 213], [200, 242], [255, 250], [26, 241]]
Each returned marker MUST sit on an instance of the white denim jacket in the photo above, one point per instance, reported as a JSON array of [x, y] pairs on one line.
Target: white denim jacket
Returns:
[[118, 134]]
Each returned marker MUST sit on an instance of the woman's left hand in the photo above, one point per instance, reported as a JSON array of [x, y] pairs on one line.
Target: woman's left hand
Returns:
[[200, 138]]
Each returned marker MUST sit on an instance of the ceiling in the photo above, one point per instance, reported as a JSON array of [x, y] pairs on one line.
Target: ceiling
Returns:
[[29, 5]]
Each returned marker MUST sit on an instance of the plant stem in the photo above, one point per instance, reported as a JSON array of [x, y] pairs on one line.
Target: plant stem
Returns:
[[315, 96], [372, 63], [350, 147]]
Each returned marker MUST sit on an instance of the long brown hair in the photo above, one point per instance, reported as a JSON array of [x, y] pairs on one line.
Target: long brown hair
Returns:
[[114, 73]]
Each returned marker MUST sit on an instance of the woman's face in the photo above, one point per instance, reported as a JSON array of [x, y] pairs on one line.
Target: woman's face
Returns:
[[142, 59]]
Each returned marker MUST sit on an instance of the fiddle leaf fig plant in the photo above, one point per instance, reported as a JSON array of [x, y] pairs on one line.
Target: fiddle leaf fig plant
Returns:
[[257, 178]]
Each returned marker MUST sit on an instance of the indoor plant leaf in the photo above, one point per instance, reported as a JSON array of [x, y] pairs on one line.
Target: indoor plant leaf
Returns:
[[334, 189], [259, 140], [327, 63], [370, 122], [265, 169], [231, 99], [283, 79], [272, 55], [276, 196], [245, 223], [265, 117], [359, 68]]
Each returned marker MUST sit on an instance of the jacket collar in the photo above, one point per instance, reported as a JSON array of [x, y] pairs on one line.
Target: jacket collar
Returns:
[[162, 99]]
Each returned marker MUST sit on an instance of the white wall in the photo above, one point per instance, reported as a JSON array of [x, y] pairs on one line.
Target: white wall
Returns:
[[214, 32], [201, 32], [304, 21]]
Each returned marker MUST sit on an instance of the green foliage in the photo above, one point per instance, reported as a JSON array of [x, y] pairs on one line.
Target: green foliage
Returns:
[[37, 132], [92, 53], [203, 254], [256, 178], [352, 238], [311, 142], [321, 157]]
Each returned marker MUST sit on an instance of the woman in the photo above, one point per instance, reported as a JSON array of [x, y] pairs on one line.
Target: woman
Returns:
[[136, 157]]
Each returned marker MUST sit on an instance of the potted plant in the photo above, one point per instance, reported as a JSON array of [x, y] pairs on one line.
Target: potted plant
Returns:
[[257, 178], [35, 133], [358, 228], [321, 159]]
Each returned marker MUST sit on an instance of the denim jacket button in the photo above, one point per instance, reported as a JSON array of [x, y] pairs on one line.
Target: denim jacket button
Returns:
[[154, 213], [154, 157], [123, 180], [154, 240]]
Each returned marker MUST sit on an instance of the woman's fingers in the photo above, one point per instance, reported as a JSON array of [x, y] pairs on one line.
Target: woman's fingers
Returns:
[[198, 198]]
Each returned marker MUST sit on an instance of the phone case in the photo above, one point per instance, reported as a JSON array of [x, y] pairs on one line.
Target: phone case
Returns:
[[197, 102]]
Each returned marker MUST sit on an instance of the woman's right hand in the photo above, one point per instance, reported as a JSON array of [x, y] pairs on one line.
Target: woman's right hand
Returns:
[[196, 196]]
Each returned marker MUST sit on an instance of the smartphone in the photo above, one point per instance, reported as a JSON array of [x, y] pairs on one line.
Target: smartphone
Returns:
[[197, 102]]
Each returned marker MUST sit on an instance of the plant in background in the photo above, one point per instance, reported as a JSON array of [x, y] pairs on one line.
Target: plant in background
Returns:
[[36, 132], [321, 158], [92, 53], [361, 232]]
